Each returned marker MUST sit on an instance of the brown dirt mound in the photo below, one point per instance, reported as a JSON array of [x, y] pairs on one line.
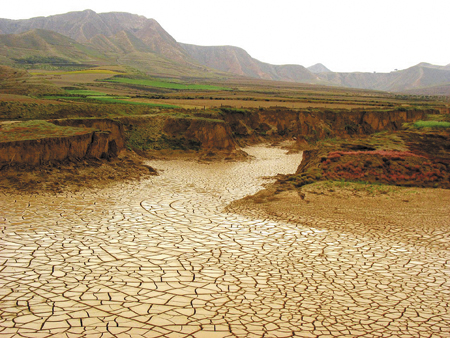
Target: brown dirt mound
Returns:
[[74, 175]]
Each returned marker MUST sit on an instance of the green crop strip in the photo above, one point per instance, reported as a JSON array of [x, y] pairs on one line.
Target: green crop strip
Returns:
[[94, 96], [431, 124], [164, 84]]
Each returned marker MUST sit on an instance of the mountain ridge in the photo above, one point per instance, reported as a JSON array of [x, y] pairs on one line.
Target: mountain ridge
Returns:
[[236, 60], [138, 41], [86, 25]]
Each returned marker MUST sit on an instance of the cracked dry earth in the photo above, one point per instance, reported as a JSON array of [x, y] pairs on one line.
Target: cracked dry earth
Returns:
[[162, 258]]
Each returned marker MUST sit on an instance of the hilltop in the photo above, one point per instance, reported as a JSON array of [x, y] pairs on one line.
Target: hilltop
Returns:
[[319, 68]]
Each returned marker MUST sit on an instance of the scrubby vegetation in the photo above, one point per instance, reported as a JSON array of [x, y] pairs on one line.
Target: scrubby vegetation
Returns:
[[389, 167], [26, 111], [360, 188], [35, 59], [32, 130], [404, 158], [431, 124]]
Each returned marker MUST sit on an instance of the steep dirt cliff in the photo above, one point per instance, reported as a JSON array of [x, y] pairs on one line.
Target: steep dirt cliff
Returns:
[[211, 134], [113, 133], [99, 139], [161, 132], [312, 125], [104, 138]]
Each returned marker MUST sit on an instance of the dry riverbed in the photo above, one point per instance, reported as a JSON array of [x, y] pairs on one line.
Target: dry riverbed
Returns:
[[166, 257]]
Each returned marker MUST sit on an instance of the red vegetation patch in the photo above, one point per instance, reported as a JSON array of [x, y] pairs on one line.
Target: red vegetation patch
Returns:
[[389, 167]]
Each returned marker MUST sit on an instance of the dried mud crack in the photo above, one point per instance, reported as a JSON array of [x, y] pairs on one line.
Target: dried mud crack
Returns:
[[163, 258]]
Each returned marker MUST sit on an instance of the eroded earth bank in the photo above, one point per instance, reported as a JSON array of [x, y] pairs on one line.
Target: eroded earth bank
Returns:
[[165, 257]]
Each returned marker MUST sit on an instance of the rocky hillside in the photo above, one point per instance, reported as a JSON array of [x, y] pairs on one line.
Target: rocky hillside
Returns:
[[106, 38], [86, 26], [46, 44]]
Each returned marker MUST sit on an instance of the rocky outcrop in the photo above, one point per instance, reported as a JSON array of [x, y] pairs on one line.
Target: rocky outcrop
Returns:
[[103, 139]]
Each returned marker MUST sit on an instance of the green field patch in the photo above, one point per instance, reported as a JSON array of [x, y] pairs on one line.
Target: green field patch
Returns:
[[431, 124], [38, 129], [85, 92], [164, 84]]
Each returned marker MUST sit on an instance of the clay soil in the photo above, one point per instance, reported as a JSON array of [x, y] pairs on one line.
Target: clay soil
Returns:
[[406, 213]]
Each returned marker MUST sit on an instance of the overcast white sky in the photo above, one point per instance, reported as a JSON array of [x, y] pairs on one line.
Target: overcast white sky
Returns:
[[344, 35]]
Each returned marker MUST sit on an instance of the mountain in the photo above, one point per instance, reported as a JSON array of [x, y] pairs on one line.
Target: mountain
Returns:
[[85, 27], [139, 42], [419, 76], [47, 47], [42, 43], [237, 61], [80, 26], [318, 68]]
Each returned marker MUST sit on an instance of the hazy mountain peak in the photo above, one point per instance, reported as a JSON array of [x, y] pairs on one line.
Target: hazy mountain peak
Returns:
[[88, 12], [424, 64], [318, 68]]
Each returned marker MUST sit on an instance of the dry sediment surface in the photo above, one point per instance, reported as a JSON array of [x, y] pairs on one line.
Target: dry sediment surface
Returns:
[[409, 215], [163, 258]]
